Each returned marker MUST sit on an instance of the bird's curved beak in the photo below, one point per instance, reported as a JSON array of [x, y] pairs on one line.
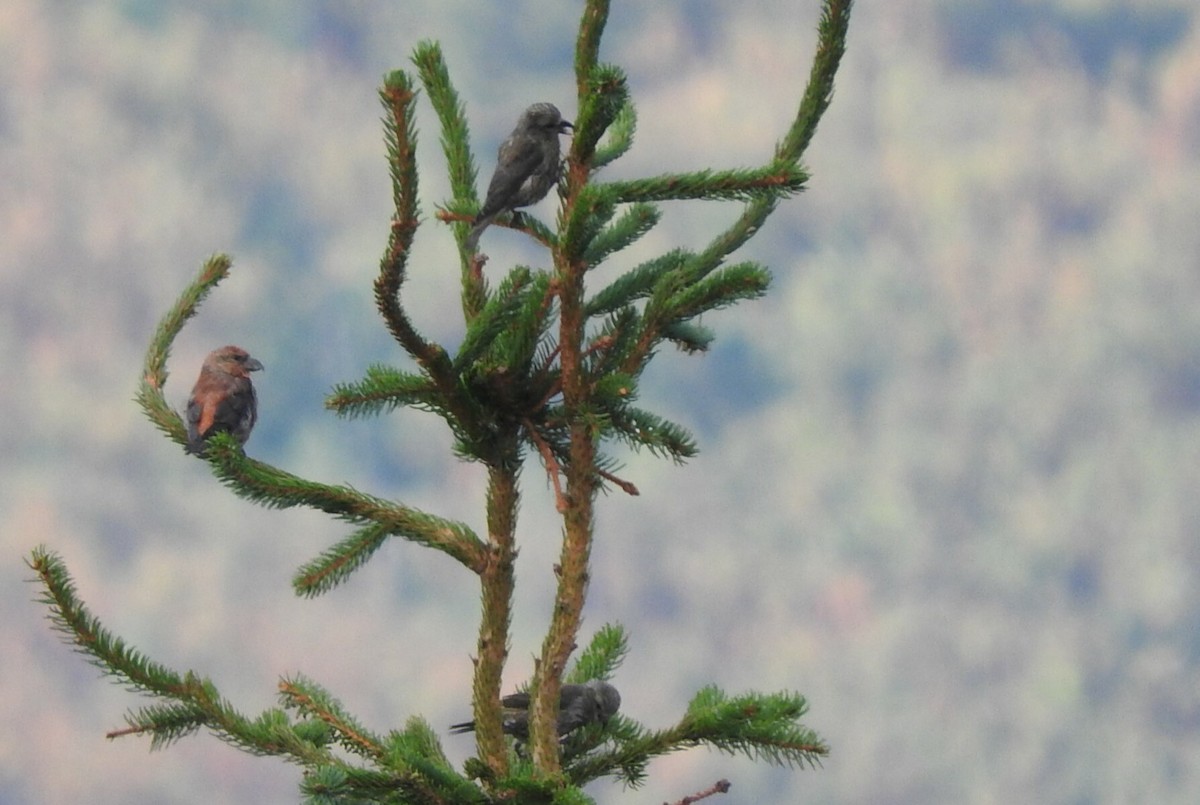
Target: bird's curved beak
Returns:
[[253, 365], [563, 126]]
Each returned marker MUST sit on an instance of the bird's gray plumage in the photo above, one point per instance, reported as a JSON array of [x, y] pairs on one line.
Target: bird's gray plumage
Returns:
[[527, 166], [578, 706]]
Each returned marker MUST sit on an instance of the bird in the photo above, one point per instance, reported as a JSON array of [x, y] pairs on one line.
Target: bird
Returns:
[[527, 166], [594, 702], [223, 399]]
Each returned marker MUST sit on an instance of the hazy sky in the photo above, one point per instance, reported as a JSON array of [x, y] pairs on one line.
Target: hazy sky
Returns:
[[138, 138]]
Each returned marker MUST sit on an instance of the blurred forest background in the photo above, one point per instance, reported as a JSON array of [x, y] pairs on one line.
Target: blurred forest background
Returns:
[[949, 485]]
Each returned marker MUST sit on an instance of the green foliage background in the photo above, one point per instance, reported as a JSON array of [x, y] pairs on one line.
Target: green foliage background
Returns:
[[947, 470]]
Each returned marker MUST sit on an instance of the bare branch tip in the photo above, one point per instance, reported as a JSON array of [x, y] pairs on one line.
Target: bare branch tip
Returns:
[[719, 787], [113, 734]]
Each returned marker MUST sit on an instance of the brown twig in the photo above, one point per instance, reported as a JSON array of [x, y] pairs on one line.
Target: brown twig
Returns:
[[552, 392], [719, 787], [514, 223], [350, 733], [550, 359], [454, 217], [477, 262], [552, 467], [556, 387], [603, 342], [626, 487]]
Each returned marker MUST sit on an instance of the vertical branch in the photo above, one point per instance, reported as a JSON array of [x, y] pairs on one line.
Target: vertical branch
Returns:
[[580, 471], [397, 96], [451, 112], [831, 46], [154, 371], [587, 45], [459, 162], [601, 95], [497, 583]]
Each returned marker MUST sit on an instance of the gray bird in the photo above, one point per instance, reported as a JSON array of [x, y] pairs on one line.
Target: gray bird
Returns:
[[578, 706], [527, 166]]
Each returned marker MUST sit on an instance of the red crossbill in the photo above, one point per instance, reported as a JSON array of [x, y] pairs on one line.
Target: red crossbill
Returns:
[[223, 398], [527, 166]]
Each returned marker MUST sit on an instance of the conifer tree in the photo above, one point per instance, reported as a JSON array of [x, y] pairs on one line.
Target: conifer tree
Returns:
[[548, 369]]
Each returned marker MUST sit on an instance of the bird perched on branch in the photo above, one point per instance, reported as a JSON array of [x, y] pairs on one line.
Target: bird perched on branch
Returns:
[[223, 398], [578, 706], [527, 166]]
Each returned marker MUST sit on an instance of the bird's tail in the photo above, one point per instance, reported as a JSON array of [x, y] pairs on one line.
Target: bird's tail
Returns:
[[481, 223]]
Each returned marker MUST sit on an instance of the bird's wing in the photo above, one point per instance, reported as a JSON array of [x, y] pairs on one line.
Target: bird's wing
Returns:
[[194, 413], [518, 158], [516, 701], [234, 408]]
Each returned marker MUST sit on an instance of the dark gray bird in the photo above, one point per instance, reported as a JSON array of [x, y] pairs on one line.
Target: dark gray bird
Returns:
[[527, 166], [578, 706]]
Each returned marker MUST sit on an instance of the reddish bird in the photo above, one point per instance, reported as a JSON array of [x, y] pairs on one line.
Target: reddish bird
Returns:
[[223, 398]]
